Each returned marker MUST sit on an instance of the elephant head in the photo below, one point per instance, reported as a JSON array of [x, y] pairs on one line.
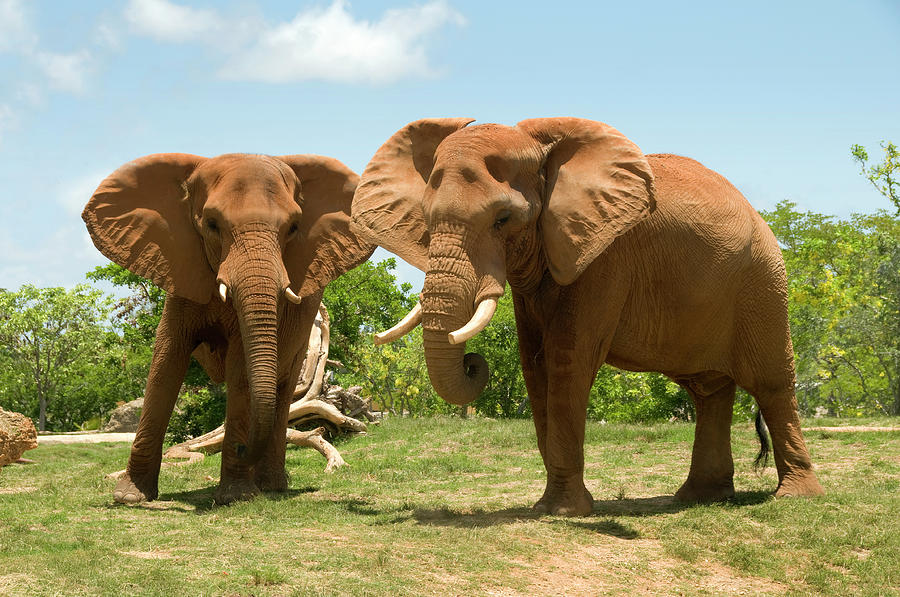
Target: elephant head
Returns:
[[474, 207], [253, 229]]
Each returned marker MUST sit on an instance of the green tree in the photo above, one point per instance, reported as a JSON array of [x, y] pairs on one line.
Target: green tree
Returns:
[[843, 289], [362, 301], [885, 176], [505, 395], [52, 338]]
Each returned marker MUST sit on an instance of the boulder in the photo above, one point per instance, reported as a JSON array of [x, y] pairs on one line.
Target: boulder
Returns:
[[125, 418], [17, 434]]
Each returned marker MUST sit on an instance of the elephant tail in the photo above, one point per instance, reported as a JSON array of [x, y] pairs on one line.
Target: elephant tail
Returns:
[[762, 459]]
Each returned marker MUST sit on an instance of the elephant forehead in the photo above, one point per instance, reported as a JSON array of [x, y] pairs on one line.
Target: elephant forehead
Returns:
[[243, 172], [245, 182], [482, 141]]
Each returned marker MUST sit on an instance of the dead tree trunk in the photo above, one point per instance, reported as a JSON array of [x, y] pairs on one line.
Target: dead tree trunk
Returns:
[[315, 402]]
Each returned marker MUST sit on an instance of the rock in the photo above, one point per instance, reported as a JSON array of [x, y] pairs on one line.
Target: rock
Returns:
[[125, 418], [17, 434]]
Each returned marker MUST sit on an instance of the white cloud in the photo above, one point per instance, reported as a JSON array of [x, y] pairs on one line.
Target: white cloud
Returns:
[[329, 44], [65, 72], [324, 43], [15, 32], [170, 22]]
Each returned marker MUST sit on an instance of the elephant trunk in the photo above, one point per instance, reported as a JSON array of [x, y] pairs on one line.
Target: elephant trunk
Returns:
[[448, 303], [256, 284], [457, 377]]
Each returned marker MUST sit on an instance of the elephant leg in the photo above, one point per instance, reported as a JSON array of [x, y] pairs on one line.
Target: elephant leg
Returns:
[[711, 477], [567, 394], [269, 473], [171, 356], [236, 478], [795, 471], [534, 370]]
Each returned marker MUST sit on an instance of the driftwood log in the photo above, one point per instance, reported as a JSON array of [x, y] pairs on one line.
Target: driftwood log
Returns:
[[330, 409]]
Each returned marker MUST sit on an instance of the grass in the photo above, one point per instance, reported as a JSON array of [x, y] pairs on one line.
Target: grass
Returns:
[[442, 506]]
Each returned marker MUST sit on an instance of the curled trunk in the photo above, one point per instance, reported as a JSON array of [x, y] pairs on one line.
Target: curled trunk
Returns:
[[447, 305], [457, 377]]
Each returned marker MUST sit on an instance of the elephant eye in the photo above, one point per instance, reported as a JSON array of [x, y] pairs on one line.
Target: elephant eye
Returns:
[[293, 229], [211, 224], [502, 218]]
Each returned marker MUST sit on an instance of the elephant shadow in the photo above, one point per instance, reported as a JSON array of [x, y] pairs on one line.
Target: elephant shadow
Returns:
[[603, 518], [200, 501]]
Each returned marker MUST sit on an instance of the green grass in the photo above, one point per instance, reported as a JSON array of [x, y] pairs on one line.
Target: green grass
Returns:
[[442, 506]]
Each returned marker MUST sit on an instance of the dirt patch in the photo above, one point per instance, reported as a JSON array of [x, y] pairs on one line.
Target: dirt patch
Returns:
[[12, 490], [17, 584], [633, 566], [156, 554], [84, 438]]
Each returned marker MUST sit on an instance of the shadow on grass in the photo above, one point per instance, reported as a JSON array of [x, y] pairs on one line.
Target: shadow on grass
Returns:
[[599, 520], [200, 501]]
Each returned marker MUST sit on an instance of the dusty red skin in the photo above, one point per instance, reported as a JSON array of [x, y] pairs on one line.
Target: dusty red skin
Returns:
[[649, 263], [259, 225]]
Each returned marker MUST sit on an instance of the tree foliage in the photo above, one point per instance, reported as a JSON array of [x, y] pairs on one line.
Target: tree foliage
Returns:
[[54, 342]]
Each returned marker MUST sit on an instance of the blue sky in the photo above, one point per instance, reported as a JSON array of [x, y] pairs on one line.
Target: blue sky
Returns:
[[770, 94]]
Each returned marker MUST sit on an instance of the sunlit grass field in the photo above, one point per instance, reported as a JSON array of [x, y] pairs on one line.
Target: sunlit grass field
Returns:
[[442, 506]]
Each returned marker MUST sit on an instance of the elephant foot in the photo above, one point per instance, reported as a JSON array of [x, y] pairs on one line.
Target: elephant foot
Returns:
[[135, 489], [694, 492], [233, 491], [576, 502], [799, 485], [274, 480]]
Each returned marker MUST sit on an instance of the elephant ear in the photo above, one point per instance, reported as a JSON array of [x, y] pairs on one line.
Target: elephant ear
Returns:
[[387, 207], [325, 247], [140, 218], [598, 185]]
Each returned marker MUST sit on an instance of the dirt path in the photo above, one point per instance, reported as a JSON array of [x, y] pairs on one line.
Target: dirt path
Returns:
[[84, 438]]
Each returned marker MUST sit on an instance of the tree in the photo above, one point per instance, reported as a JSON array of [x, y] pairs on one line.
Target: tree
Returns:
[[885, 177], [52, 337], [505, 395], [843, 291], [362, 301]]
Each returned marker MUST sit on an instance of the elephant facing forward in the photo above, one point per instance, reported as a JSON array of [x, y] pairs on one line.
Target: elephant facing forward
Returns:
[[243, 246], [649, 263]]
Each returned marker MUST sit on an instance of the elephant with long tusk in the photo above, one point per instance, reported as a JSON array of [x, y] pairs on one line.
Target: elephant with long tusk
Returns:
[[646, 262], [227, 238]]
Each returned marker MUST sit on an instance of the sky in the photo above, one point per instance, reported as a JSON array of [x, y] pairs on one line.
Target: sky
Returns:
[[770, 94]]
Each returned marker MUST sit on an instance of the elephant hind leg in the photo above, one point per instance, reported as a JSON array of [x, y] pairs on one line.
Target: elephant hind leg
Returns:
[[795, 471], [711, 477]]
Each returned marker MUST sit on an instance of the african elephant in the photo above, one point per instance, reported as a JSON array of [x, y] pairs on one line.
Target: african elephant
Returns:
[[649, 263], [243, 245]]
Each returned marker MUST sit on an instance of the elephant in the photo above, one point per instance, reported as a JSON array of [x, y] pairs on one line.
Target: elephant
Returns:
[[645, 262], [243, 245]]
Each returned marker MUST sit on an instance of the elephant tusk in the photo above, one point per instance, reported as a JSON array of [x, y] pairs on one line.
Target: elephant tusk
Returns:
[[291, 296], [406, 325], [479, 321], [223, 291]]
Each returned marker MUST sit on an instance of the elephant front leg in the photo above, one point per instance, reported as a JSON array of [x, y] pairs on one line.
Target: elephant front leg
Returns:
[[566, 409], [171, 356], [269, 473], [236, 479]]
